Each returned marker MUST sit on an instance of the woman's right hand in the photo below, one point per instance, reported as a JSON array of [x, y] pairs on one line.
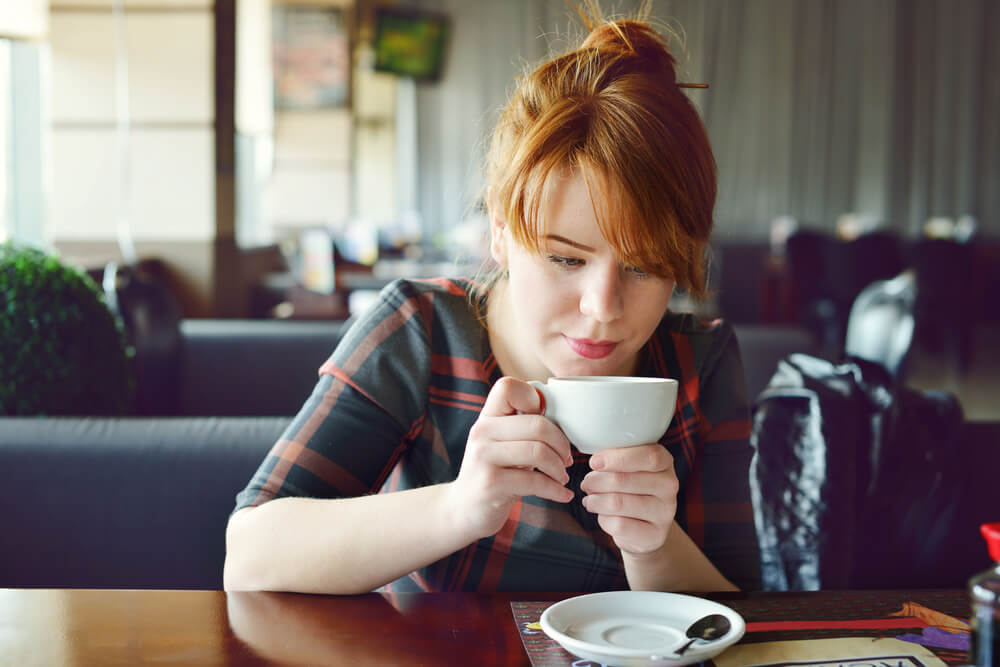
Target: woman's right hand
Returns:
[[512, 451]]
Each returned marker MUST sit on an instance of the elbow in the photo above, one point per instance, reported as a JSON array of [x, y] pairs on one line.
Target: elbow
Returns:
[[236, 568], [233, 578]]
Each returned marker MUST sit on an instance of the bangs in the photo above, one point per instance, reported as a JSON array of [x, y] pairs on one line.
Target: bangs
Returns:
[[642, 234], [544, 151]]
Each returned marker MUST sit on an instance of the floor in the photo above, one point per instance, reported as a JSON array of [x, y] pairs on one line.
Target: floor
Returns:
[[978, 388]]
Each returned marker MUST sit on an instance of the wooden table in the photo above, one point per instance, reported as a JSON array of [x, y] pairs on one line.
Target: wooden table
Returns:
[[114, 627]]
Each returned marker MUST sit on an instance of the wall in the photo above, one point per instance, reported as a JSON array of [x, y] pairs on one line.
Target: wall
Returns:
[[815, 109], [375, 167], [311, 181], [334, 165]]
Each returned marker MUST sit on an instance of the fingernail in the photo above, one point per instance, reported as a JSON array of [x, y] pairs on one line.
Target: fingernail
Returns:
[[597, 462]]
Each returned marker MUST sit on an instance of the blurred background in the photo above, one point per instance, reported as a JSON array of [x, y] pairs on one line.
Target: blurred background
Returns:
[[284, 160]]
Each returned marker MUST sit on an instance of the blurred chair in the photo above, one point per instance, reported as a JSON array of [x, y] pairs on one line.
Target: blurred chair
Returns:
[[738, 269], [858, 262], [944, 312], [762, 346], [881, 323], [807, 251], [854, 264], [152, 318]]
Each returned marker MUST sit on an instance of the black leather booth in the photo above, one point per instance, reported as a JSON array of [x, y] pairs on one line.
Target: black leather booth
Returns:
[[250, 367], [123, 503], [143, 502]]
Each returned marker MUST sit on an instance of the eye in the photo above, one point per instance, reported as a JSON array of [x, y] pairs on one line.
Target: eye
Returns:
[[636, 271], [565, 262]]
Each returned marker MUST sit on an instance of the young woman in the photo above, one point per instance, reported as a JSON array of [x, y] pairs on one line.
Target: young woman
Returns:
[[421, 462]]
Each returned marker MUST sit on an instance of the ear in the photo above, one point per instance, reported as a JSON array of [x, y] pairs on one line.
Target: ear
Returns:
[[498, 232]]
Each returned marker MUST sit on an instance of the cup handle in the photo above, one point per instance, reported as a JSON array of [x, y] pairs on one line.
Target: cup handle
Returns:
[[542, 397]]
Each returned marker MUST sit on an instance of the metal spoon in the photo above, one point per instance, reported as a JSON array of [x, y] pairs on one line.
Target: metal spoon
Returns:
[[706, 628]]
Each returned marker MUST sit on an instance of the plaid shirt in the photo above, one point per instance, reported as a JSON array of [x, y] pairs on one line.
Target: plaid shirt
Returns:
[[393, 408]]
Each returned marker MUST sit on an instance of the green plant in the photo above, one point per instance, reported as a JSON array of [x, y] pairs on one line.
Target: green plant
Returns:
[[62, 350]]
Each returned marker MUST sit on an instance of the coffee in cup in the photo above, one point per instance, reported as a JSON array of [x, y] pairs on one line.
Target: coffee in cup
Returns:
[[600, 412]]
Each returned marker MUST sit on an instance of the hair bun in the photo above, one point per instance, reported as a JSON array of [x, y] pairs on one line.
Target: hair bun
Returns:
[[633, 38]]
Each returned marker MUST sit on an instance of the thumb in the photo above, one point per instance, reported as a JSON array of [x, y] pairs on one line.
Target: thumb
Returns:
[[511, 396]]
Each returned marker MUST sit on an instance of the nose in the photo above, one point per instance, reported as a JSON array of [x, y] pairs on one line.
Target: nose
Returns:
[[603, 297]]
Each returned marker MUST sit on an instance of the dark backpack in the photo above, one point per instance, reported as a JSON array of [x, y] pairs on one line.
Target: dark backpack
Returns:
[[856, 480]]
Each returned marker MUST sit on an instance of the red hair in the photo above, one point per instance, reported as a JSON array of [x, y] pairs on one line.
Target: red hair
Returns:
[[613, 110]]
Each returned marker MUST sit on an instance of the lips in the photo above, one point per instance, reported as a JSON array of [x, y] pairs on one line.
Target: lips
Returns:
[[591, 349]]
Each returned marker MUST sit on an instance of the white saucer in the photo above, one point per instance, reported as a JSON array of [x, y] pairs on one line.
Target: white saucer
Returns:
[[636, 628]]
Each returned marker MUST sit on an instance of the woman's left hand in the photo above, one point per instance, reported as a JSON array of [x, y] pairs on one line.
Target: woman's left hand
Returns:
[[633, 491]]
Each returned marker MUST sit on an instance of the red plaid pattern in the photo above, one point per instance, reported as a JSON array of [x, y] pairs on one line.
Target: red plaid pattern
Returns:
[[394, 404]]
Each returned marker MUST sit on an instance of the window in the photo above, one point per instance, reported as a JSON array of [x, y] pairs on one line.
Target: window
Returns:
[[22, 192]]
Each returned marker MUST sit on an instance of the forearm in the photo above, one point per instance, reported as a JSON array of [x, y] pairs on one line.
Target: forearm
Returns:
[[679, 565], [343, 546]]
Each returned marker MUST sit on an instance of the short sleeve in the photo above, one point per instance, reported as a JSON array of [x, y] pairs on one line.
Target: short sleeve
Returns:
[[360, 417]]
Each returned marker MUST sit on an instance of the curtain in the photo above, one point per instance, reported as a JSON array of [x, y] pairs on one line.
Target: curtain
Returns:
[[886, 109]]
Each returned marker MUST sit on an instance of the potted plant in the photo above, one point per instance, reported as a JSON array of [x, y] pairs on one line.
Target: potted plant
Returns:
[[62, 350]]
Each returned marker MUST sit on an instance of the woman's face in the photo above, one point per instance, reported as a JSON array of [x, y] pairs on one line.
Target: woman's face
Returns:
[[573, 309]]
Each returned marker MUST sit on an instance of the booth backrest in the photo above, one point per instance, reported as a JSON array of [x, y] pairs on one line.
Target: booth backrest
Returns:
[[269, 367], [143, 503], [123, 503], [763, 346], [251, 367]]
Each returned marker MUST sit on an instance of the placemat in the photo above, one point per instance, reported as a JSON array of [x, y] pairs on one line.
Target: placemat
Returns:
[[933, 619]]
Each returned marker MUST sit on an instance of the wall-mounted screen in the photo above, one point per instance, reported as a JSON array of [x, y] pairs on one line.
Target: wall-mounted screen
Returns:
[[410, 42]]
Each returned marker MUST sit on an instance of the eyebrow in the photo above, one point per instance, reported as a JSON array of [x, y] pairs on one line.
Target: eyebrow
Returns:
[[563, 239]]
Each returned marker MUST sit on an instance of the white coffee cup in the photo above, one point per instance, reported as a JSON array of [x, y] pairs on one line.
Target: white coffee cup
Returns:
[[600, 412]]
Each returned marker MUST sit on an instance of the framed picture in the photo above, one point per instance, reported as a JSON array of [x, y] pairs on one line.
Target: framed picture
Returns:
[[310, 47]]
